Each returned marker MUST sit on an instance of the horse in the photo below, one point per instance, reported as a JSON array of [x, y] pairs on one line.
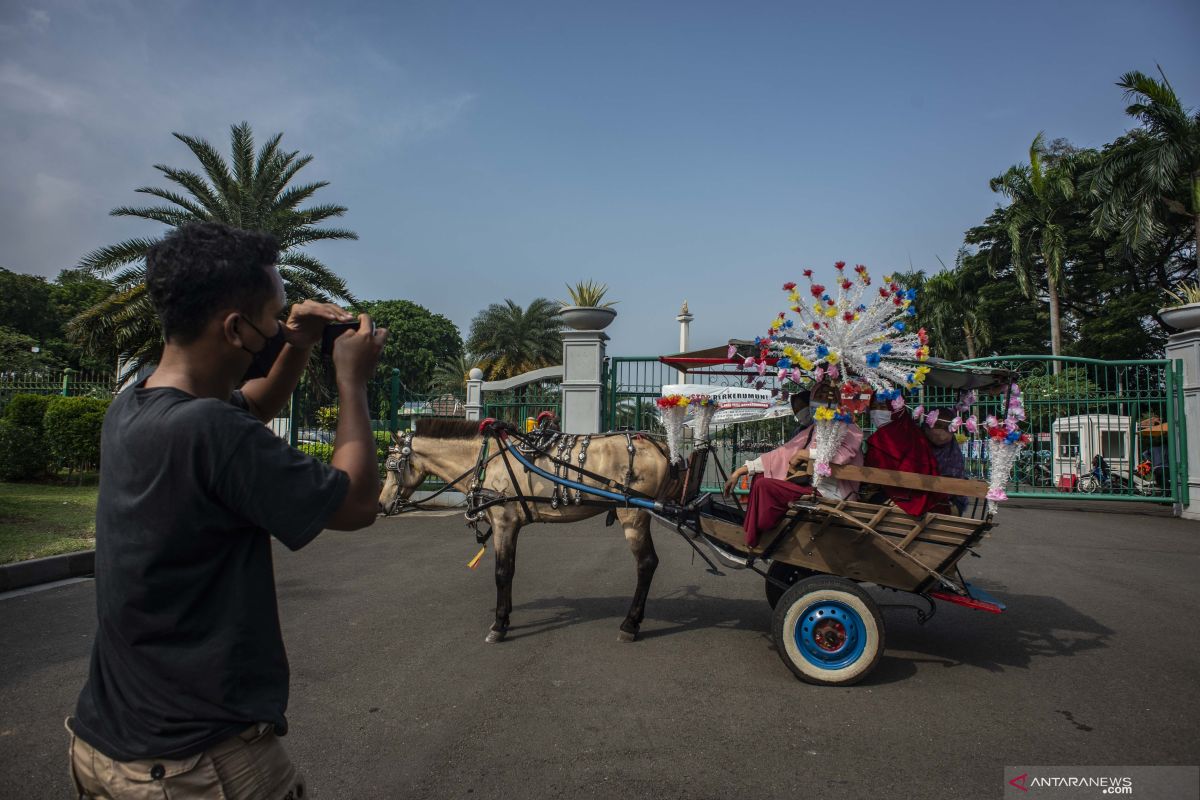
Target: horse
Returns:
[[450, 448]]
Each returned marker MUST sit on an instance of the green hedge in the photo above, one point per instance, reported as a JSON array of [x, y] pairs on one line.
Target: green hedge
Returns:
[[324, 452], [27, 409], [319, 451], [71, 428], [23, 455]]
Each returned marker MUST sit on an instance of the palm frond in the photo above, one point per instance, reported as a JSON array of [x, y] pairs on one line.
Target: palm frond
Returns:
[[167, 216], [107, 259]]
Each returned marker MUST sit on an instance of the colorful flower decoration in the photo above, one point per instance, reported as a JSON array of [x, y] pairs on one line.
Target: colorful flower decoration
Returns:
[[845, 332]]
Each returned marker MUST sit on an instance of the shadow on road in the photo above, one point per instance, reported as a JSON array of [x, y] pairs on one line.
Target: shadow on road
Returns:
[[685, 609], [1033, 627]]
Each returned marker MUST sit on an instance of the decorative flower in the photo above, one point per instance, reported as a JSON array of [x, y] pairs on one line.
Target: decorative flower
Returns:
[[787, 287]]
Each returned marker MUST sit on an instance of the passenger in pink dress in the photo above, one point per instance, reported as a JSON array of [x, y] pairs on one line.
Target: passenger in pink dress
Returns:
[[771, 491]]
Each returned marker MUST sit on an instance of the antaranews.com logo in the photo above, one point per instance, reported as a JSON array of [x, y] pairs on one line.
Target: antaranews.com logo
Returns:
[[1068, 782], [1106, 785]]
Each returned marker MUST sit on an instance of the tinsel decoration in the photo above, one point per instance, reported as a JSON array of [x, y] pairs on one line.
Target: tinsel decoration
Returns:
[[1007, 441], [828, 438], [703, 409], [848, 332], [673, 410], [1003, 457]]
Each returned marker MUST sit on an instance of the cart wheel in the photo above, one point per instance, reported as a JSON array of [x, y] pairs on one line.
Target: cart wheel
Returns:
[[786, 573], [828, 631]]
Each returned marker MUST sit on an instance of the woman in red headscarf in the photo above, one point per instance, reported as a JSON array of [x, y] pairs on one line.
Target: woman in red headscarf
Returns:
[[898, 443]]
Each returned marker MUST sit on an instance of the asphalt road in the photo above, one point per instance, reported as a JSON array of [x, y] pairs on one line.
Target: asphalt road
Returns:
[[395, 694]]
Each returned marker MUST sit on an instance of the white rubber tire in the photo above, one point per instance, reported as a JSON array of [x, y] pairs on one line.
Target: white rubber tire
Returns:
[[791, 610]]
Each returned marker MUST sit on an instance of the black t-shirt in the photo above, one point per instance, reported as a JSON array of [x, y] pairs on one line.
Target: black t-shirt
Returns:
[[188, 649]]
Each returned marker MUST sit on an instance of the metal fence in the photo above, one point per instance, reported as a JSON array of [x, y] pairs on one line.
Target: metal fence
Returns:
[[634, 383], [1103, 430], [67, 382], [524, 403]]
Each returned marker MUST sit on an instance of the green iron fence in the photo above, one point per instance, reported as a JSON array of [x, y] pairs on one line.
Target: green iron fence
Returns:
[[1103, 430], [311, 416], [67, 382], [634, 383], [523, 403]]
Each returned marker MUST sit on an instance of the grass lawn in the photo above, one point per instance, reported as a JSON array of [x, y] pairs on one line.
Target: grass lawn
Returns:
[[45, 519]]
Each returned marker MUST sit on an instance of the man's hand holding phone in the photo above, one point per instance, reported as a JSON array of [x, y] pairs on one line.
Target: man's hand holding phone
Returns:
[[356, 352]]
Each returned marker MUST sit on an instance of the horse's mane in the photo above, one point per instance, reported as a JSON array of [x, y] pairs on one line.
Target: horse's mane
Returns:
[[447, 428]]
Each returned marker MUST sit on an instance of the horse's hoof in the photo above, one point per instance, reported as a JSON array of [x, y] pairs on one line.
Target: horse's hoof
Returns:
[[495, 637], [626, 636]]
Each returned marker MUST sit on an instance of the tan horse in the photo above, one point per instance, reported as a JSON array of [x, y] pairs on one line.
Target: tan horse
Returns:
[[448, 448]]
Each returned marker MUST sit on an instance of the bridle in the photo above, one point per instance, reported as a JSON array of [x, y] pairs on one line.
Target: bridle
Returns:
[[399, 454]]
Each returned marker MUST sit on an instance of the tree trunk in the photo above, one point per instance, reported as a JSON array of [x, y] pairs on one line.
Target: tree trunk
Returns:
[[1055, 322], [1196, 216], [970, 341]]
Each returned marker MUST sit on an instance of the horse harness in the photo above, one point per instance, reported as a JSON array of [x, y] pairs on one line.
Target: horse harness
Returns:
[[539, 445]]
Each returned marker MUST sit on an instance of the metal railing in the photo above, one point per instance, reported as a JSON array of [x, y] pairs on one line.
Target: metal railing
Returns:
[[66, 382], [1102, 430]]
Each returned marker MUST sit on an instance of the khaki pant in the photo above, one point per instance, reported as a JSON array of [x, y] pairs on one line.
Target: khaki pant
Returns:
[[249, 766]]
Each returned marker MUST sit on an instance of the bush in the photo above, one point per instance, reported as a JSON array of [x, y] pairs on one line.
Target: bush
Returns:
[[23, 453], [27, 409], [327, 418], [72, 430], [324, 452], [321, 452]]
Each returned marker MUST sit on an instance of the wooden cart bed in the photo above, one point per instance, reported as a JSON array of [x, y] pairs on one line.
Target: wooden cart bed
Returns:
[[869, 542]]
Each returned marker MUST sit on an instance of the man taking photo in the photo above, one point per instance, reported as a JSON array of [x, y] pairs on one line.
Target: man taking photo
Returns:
[[188, 682]]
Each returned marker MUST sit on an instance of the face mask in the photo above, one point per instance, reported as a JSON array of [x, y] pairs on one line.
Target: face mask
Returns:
[[880, 418], [804, 416], [264, 359]]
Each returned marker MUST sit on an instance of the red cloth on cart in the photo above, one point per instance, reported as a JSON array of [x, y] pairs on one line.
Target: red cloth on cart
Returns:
[[769, 499], [902, 445]]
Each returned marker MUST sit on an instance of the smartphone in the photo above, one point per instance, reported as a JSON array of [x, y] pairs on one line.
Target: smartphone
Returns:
[[333, 331]]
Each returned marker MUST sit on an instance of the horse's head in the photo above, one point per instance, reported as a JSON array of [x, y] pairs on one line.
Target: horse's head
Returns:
[[404, 473]]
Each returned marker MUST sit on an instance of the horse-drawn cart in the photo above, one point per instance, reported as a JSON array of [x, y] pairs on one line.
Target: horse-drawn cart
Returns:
[[827, 629]]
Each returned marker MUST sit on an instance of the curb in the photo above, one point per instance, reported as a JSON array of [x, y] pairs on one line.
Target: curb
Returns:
[[45, 570]]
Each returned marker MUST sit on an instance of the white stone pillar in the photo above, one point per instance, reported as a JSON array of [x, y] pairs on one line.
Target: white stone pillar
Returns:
[[1185, 346], [684, 318], [474, 404], [583, 380]]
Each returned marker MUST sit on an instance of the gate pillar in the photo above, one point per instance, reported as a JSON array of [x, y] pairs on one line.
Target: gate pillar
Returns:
[[583, 380], [1185, 346], [474, 404]]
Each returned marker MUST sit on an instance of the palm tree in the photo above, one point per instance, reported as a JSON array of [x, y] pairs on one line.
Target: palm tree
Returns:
[[509, 340], [1035, 219], [451, 375], [950, 307], [253, 195], [1158, 173]]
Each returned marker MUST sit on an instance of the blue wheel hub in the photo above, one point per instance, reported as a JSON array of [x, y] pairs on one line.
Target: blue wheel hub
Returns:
[[830, 635]]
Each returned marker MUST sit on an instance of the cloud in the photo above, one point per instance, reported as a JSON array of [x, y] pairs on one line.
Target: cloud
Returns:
[[22, 90], [35, 20], [424, 119], [90, 93]]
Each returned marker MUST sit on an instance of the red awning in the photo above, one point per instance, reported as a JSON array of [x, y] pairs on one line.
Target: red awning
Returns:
[[710, 357]]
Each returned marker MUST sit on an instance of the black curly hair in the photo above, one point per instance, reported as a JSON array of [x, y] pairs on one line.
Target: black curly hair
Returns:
[[202, 268]]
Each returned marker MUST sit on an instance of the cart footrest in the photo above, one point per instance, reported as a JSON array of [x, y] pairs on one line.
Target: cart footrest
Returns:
[[977, 599]]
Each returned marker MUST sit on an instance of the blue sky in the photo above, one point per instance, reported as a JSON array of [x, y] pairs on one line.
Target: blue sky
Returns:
[[706, 151]]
